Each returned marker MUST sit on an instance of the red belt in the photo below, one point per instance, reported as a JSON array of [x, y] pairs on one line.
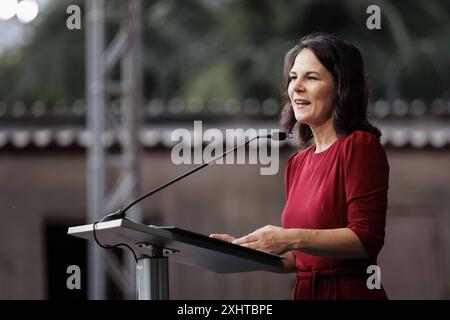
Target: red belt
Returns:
[[326, 272]]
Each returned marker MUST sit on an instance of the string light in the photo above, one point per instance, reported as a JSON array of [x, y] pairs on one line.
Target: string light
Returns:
[[8, 9], [26, 10]]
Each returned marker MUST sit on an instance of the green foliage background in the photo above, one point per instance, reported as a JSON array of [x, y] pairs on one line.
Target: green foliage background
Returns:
[[235, 48]]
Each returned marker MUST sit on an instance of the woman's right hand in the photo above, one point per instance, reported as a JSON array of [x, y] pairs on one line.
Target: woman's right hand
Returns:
[[288, 261], [222, 236]]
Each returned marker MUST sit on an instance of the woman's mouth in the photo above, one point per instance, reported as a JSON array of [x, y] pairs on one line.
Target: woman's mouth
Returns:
[[301, 102]]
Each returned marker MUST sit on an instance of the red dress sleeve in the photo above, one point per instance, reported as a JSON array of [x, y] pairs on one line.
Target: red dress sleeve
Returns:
[[366, 185], [288, 174]]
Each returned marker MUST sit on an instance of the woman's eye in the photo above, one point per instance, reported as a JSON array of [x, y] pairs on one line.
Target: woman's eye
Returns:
[[292, 78], [311, 78]]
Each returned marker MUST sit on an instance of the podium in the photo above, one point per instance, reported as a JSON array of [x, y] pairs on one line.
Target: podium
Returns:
[[156, 244]]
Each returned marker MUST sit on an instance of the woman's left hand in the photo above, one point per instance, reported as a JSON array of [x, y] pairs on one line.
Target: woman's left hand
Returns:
[[270, 239]]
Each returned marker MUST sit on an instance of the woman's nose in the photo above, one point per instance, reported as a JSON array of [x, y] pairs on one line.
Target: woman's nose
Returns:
[[298, 86]]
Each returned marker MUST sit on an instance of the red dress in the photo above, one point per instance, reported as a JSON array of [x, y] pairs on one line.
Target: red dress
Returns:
[[344, 186]]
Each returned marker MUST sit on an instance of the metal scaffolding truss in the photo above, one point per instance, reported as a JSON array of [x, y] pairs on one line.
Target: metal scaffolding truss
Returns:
[[112, 70]]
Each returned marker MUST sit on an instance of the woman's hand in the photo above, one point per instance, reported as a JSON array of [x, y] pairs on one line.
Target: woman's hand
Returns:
[[341, 243], [222, 236], [270, 239]]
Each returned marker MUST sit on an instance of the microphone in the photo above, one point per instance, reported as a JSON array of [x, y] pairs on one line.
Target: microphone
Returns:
[[121, 213], [278, 136]]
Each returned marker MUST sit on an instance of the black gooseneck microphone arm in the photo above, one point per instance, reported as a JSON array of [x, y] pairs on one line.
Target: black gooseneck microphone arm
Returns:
[[121, 213]]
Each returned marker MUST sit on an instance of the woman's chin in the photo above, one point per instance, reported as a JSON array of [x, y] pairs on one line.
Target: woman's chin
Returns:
[[301, 119]]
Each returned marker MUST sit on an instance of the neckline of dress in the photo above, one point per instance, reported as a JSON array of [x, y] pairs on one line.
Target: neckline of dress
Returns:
[[317, 154]]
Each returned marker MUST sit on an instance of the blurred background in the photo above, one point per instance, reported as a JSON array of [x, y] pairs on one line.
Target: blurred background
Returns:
[[86, 117]]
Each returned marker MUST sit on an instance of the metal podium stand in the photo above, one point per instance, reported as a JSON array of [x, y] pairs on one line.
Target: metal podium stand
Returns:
[[158, 244]]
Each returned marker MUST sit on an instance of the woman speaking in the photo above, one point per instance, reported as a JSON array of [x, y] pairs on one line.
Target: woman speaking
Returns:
[[336, 187]]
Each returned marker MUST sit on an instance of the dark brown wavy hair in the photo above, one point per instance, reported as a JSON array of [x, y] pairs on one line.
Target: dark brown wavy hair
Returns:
[[345, 63]]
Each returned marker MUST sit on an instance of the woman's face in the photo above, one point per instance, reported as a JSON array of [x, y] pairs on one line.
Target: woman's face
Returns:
[[311, 89]]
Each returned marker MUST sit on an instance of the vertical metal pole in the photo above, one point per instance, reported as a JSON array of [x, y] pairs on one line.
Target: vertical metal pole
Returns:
[[96, 161], [102, 199], [152, 278], [131, 83]]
